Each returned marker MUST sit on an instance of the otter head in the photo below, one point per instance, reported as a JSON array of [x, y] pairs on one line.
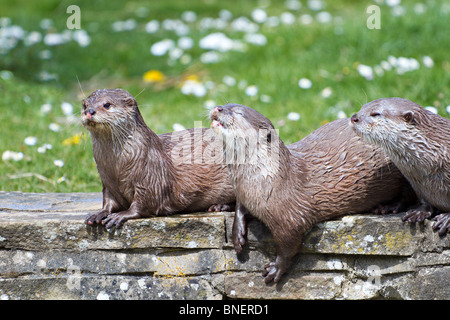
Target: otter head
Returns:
[[238, 120], [107, 109], [390, 123], [248, 137]]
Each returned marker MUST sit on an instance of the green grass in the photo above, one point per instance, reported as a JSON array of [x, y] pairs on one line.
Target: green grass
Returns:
[[328, 54]]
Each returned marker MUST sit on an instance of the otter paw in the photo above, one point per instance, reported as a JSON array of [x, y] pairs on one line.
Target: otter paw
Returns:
[[96, 218], [114, 220], [415, 215], [272, 271], [387, 208], [442, 222], [238, 241], [220, 208]]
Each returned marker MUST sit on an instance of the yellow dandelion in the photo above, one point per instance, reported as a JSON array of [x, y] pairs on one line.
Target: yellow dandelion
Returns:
[[192, 77], [153, 76], [76, 139]]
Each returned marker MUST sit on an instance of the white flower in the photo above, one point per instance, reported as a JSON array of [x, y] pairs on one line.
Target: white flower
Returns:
[[191, 87], [160, 48], [392, 60], [30, 141], [287, 18], [225, 15], [306, 19], [432, 109], [209, 104], [54, 127], [189, 16], [61, 179], [67, 108], [229, 81], [294, 116], [44, 148], [243, 24], [46, 108], [272, 22], [251, 91], [210, 57], [365, 71], [385, 65], [324, 17], [398, 11], [420, 8], [126, 25], [82, 38], [152, 26], [53, 39], [304, 83], [185, 43], [326, 92], [315, 5], [393, 3], [178, 127], [427, 61], [256, 38], [293, 4], [11, 155], [341, 115], [448, 109], [265, 98], [175, 53], [45, 54], [6, 74], [46, 24], [32, 38], [259, 15], [216, 41], [58, 163]]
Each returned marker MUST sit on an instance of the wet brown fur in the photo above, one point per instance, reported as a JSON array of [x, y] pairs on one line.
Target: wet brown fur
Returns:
[[329, 173], [139, 175], [418, 142]]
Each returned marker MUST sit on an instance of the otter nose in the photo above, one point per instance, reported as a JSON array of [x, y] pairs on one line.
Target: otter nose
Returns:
[[218, 109], [89, 112], [354, 118]]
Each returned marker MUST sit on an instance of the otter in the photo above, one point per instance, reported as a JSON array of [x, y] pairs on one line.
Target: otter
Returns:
[[327, 174], [418, 142], [140, 171]]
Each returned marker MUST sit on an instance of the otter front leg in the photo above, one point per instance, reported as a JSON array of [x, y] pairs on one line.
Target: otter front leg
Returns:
[[109, 205], [442, 223], [239, 228]]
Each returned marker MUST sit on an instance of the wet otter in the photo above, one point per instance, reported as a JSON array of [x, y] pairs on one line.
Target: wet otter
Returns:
[[140, 171], [418, 142], [329, 173]]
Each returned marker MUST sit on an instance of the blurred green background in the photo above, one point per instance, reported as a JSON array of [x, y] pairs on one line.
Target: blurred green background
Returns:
[[179, 57]]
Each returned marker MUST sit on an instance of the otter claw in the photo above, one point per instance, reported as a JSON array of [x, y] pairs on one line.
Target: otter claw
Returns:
[[272, 272], [413, 216], [114, 220], [96, 218], [442, 222]]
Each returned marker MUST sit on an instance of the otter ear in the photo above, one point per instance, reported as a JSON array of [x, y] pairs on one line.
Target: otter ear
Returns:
[[269, 137], [408, 116]]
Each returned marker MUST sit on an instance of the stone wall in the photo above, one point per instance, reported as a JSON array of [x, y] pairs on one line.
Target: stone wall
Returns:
[[47, 252]]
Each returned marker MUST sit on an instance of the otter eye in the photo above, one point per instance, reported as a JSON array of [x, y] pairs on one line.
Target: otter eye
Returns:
[[375, 114], [84, 106], [107, 105]]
